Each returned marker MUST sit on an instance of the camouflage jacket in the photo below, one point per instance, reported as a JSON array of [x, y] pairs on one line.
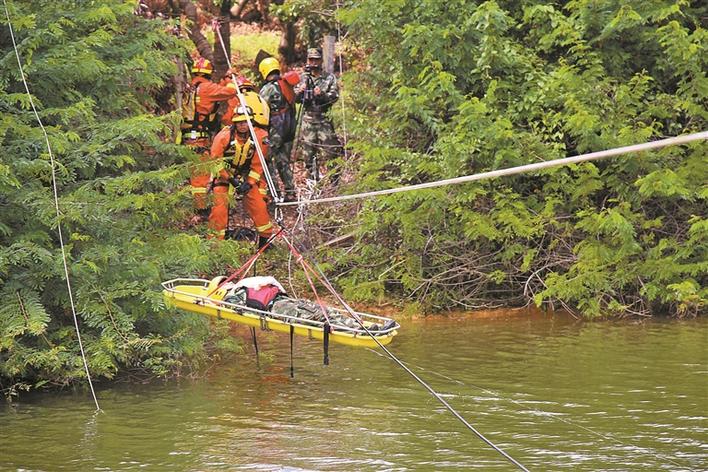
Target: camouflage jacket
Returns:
[[330, 92], [282, 113], [272, 94]]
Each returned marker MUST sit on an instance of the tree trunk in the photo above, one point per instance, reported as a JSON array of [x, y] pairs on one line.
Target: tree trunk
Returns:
[[263, 6], [238, 9], [180, 82], [221, 61], [195, 33], [287, 43], [328, 53]]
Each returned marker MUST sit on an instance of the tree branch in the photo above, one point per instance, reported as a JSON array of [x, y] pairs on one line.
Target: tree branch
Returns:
[[238, 9], [195, 34], [221, 64]]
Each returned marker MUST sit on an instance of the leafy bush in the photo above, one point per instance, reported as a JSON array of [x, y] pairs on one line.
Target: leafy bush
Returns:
[[460, 87], [94, 70]]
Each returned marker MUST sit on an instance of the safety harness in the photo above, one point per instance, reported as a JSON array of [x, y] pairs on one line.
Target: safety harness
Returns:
[[239, 156], [196, 125]]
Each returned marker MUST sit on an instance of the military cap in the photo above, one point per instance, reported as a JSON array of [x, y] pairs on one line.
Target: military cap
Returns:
[[314, 53]]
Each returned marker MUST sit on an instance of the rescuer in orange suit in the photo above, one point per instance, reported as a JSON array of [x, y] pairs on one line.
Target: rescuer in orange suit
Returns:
[[199, 125], [243, 170]]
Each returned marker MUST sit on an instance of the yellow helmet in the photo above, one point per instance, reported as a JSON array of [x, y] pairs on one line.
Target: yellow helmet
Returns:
[[268, 65], [202, 66], [256, 109]]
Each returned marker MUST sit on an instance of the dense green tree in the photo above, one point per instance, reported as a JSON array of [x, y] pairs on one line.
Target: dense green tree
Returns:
[[447, 88], [304, 24], [458, 87], [94, 69]]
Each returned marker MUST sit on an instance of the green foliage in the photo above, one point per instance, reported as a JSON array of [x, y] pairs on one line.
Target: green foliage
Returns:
[[94, 70], [314, 18], [459, 87]]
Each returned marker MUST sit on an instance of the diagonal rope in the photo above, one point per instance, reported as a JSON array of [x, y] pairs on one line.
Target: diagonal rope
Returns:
[[323, 279], [242, 100], [243, 270], [540, 412], [687, 138], [341, 71], [56, 205]]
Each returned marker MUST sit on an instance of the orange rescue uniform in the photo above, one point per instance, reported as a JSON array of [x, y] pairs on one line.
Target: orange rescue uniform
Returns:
[[243, 162], [199, 137]]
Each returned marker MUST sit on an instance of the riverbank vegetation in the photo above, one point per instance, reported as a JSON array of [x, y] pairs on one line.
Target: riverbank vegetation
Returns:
[[97, 73], [455, 88], [432, 90]]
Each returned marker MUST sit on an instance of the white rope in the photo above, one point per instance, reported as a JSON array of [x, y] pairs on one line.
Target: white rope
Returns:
[[242, 99], [518, 170], [56, 205], [341, 71], [328, 285], [553, 416]]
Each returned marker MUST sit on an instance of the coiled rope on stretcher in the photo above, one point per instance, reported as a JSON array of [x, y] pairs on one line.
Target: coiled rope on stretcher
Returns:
[[56, 205], [593, 156]]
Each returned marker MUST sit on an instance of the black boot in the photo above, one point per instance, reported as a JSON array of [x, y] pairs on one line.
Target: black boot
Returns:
[[203, 213], [262, 240], [240, 234]]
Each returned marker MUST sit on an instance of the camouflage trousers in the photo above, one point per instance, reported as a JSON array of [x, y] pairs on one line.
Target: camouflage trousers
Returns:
[[279, 160], [318, 138]]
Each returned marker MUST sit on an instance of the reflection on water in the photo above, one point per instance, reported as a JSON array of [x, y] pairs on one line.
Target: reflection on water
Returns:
[[553, 393]]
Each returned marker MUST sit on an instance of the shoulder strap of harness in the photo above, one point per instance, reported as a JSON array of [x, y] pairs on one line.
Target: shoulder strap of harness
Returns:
[[244, 166]]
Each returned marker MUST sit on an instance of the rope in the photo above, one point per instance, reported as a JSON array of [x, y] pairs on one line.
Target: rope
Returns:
[[306, 269], [246, 265], [318, 145], [545, 413], [519, 169], [242, 99], [323, 279], [56, 206], [341, 71]]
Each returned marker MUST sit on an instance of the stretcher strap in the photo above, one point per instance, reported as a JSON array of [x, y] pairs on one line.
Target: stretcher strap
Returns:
[[325, 338], [292, 341], [255, 340]]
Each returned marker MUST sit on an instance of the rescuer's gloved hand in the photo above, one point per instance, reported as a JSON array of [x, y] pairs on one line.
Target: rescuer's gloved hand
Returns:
[[243, 188]]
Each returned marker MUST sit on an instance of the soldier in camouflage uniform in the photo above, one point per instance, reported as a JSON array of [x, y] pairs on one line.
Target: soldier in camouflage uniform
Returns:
[[280, 96], [317, 91]]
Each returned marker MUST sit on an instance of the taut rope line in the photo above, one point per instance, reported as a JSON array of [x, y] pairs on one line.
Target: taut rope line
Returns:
[[517, 170], [56, 205], [242, 100], [325, 281], [341, 72], [547, 414]]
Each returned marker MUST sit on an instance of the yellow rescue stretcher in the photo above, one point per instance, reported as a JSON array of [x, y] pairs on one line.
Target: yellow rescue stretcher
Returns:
[[192, 295]]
